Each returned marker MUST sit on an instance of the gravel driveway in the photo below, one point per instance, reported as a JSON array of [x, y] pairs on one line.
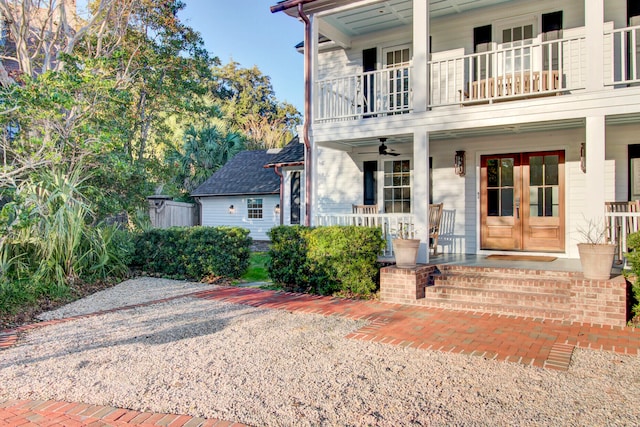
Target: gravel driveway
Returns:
[[271, 367]]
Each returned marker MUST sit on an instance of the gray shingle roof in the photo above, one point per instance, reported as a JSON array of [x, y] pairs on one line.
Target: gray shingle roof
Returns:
[[293, 152], [243, 174]]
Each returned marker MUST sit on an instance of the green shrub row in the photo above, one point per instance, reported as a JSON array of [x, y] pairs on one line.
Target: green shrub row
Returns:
[[333, 260], [633, 257], [193, 252]]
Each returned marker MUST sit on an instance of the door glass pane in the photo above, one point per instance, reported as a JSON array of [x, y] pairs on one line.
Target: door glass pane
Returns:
[[548, 201], [492, 173], [551, 170], [506, 36], [493, 202], [535, 170], [528, 31], [534, 200], [507, 202], [517, 33], [506, 172]]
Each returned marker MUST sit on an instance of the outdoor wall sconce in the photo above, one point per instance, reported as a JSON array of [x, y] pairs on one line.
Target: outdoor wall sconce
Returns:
[[583, 157], [232, 210], [277, 209], [459, 163]]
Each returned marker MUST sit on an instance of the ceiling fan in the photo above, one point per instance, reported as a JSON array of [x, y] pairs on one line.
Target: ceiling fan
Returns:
[[383, 150]]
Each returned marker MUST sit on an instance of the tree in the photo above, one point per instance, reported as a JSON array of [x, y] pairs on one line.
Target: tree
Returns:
[[249, 103], [100, 92], [203, 152]]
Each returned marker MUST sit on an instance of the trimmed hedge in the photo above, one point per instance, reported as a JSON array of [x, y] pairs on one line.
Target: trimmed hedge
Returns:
[[333, 260], [633, 244], [193, 252]]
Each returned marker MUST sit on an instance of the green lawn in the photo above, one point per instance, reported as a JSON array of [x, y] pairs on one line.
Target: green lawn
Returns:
[[257, 268]]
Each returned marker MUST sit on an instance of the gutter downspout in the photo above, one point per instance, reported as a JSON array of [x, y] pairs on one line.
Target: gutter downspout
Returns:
[[307, 113], [285, 5], [279, 173]]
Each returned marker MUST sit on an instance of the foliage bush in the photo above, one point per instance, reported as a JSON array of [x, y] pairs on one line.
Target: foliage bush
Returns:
[[326, 260], [50, 243], [193, 252], [633, 257]]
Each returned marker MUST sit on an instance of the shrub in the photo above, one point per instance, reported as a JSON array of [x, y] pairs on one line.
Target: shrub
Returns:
[[48, 235], [288, 262], [49, 242], [633, 244], [326, 260], [193, 252]]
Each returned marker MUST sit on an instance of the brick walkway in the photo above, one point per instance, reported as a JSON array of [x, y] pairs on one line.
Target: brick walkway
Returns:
[[534, 342]]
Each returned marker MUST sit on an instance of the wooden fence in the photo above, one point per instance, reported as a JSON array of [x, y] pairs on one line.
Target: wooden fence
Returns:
[[165, 213]]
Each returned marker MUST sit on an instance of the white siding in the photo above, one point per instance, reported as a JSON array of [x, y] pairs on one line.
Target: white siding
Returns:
[[215, 212], [339, 182]]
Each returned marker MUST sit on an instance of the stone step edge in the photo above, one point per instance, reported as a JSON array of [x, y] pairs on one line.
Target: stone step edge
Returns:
[[543, 286], [498, 309], [509, 272], [457, 290]]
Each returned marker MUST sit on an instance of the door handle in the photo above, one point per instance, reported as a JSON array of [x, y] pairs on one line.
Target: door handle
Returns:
[[517, 207]]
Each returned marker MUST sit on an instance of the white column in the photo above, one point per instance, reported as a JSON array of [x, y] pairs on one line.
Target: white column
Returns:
[[595, 177], [420, 76], [312, 174], [420, 196], [594, 27]]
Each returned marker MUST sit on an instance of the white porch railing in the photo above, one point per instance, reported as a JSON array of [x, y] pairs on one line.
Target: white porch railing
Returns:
[[369, 94], [619, 226], [523, 70], [388, 223], [625, 55]]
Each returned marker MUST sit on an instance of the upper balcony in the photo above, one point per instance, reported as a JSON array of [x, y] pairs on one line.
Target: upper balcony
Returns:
[[522, 56]]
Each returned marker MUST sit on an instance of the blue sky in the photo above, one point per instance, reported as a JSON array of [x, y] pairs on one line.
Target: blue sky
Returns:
[[247, 32]]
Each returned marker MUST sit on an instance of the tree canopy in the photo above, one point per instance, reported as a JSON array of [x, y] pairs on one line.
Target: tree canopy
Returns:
[[130, 95]]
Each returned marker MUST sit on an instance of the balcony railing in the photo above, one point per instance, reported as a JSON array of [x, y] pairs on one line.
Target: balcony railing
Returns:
[[509, 71], [523, 69], [388, 223], [624, 50], [370, 94]]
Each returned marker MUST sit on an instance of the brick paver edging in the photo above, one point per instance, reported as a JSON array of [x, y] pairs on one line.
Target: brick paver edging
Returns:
[[536, 342], [529, 341], [57, 413]]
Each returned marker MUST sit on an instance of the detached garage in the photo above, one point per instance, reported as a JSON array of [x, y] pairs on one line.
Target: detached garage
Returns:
[[242, 193]]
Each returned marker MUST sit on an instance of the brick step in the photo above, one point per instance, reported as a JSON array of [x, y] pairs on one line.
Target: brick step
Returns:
[[520, 283], [509, 272], [502, 309], [498, 297]]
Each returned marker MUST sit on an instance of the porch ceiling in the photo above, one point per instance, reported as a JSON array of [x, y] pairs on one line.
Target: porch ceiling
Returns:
[[506, 129], [371, 143], [351, 19], [354, 144]]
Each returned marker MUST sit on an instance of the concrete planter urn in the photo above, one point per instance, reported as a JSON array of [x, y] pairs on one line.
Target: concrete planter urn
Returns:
[[596, 260], [406, 252]]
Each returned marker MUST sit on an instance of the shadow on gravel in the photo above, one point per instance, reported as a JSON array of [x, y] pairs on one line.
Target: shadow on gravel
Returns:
[[154, 329]]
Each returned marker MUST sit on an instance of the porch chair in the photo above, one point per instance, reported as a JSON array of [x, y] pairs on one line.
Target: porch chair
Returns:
[[366, 210], [614, 231], [435, 215]]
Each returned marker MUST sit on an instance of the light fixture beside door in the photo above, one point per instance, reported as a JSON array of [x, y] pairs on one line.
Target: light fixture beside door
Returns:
[[459, 165]]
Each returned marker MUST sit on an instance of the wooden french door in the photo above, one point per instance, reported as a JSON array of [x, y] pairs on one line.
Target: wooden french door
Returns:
[[522, 201]]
